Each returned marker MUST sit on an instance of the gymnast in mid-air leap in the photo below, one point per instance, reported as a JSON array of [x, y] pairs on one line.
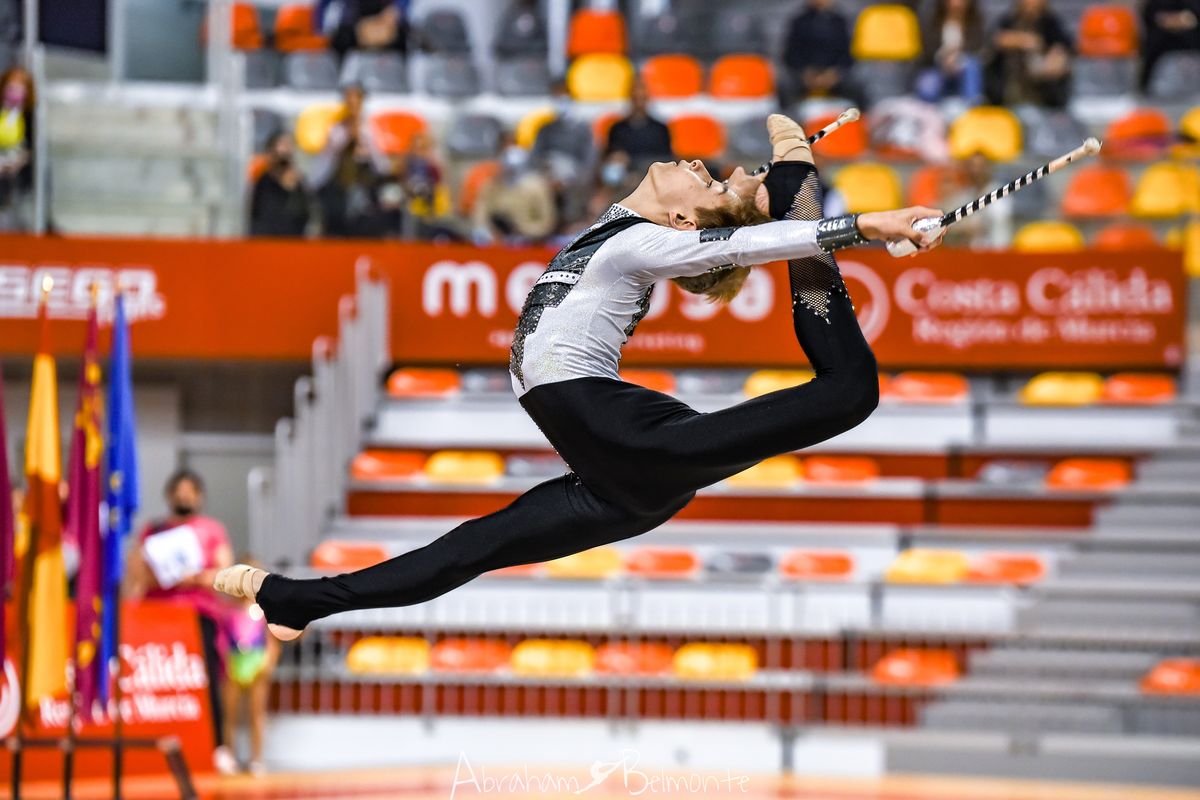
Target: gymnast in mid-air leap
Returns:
[[638, 456]]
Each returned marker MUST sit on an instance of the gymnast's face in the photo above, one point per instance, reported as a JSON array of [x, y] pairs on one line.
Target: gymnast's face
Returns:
[[682, 187]]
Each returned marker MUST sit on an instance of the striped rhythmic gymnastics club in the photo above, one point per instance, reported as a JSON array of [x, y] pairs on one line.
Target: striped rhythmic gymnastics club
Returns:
[[904, 247], [849, 115]]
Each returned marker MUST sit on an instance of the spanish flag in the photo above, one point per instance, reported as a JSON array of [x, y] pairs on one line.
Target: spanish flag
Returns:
[[42, 593]]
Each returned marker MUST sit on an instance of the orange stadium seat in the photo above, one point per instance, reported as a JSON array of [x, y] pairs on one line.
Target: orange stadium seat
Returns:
[[672, 76], [777, 472], [470, 655], [660, 380], [993, 131], [388, 655], [294, 29], [912, 667], [741, 76], [662, 562], [257, 166], [840, 469], [1048, 236], [1015, 568], [1097, 191], [246, 34], [1167, 190], [594, 564], [1173, 676], [600, 77], [1142, 134], [868, 187], [473, 182], [553, 658], [602, 125], [386, 465], [393, 131], [1089, 475], [596, 32], [1108, 32], [817, 565], [516, 571], [705, 661], [697, 136], [313, 126], [850, 142], [1062, 389], [347, 556], [634, 658], [471, 467], [921, 565], [1125, 236], [772, 380], [423, 382], [886, 32], [1141, 388], [927, 387], [929, 185]]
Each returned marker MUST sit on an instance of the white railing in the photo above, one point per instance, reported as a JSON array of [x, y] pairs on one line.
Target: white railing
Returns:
[[292, 501]]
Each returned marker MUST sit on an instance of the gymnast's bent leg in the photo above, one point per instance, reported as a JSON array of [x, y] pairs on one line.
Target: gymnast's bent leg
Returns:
[[553, 519]]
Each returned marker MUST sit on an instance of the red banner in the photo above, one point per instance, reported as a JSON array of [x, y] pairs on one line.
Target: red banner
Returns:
[[458, 304], [164, 690]]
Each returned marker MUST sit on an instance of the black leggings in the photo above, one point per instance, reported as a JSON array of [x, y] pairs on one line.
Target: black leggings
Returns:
[[638, 456]]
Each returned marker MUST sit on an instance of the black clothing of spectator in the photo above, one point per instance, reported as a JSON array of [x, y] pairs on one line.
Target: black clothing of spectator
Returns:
[[1169, 25]]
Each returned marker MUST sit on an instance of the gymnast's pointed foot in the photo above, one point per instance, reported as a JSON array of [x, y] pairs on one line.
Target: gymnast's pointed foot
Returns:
[[244, 581], [788, 142]]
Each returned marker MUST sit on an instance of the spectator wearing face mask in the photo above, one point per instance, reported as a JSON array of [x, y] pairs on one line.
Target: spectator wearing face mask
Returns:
[[175, 560], [279, 205], [516, 206]]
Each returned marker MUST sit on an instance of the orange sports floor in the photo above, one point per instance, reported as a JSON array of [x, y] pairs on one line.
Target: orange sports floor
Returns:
[[438, 783]]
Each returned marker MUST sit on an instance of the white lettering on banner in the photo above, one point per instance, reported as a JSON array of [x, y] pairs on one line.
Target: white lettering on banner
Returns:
[[919, 292], [461, 280], [1097, 291], [152, 667], [70, 296], [875, 307]]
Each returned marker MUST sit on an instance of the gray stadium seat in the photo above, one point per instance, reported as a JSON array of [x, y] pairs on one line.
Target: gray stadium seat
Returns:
[[534, 466], [748, 140], [262, 69], [311, 70], [668, 33], [880, 79], [522, 34], [974, 715], [1103, 77], [376, 71], [444, 31], [1049, 135], [739, 563], [474, 136], [522, 77], [452, 77], [1176, 77], [1022, 662], [1167, 719], [1143, 566], [264, 125], [736, 31]]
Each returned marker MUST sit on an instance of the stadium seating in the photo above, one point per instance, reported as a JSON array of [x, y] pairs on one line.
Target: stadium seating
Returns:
[[474, 181], [672, 76], [1140, 135], [1062, 389], [310, 70], [452, 77], [1175, 77], [911, 667], [245, 33], [594, 31], [780, 472], [294, 29], [1007, 568], [602, 126], [1173, 676], [595, 564], [850, 143], [470, 655], [387, 465], [1166, 190], [475, 136], [929, 184], [660, 380], [742, 77], [817, 565], [886, 32], [927, 387], [772, 380], [697, 136], [634, 658], [392, 132], [920, 565], [660, 562], [444, 31], [736, 30], [464, 467], [1108, 31], [337, 556], [523, 76], [313, 126], [388, 655], [668, 32], [600, 77], [704, 661], [529, 125], [423, 382], [840, 470], [1138, 388], [558, 658], [1097, 191], [377, 71], [993, 131], [1088, 474], [1125, 236], [1049, 236], [868, 187]]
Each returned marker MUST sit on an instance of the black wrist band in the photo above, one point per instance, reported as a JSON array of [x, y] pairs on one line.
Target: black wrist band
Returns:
[[835, 233]]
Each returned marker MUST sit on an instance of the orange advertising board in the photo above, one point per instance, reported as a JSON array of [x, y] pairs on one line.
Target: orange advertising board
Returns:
[[233, 300], [164, 689]]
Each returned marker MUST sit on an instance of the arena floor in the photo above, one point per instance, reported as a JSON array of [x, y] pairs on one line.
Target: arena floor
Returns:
[[439, 784]]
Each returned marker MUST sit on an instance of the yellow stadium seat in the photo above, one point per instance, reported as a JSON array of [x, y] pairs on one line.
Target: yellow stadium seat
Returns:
[[991, 130], [599, 77], [597, 563], [928, 566], [388, 655], [464, 466], [772, 380], [708, 661], [1049, 236], [529, 125], [553, 658], [1063, 389], [313, 126], [886, 32], [869, 187], [778, 472], [1191, 249], [1167, 190]]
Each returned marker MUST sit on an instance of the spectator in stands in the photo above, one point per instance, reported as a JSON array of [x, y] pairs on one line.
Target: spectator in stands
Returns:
[[167, 548], [364, 24], [1169, 25], [16, 148], [521, 30], [351, 180], [517, 206], [420, 177], [279, 205], [971, 178], [1031, 57], [816, 54], [565, 152], [952, 47], [641, 137]]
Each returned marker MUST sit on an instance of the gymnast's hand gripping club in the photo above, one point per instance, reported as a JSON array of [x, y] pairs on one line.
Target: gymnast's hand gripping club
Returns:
[[847, 116], [905, 247]]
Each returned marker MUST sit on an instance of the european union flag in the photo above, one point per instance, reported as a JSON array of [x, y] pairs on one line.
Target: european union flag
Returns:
[[121, 492]]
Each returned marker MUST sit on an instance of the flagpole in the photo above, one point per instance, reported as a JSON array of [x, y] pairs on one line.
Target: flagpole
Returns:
[[114, 665]]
